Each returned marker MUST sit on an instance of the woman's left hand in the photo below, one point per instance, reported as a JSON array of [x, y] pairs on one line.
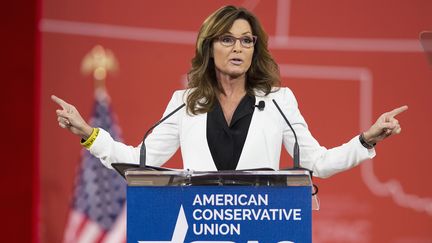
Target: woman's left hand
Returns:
[[385, 126]]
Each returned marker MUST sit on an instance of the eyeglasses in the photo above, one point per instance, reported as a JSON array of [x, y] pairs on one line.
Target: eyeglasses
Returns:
[[245, 41]]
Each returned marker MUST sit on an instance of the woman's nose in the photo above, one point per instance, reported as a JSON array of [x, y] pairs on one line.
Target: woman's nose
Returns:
[[237, 47]]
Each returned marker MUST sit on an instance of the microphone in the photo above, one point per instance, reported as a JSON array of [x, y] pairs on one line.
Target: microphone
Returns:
[[260, 105], [143, 147], [296, 156]]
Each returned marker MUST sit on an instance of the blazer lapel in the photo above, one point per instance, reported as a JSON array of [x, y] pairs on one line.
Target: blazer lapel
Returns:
[[195, 151], [255, 152], [263, 143]]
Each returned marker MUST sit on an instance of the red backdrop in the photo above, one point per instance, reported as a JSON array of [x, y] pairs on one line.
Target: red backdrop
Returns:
[[346, 61]]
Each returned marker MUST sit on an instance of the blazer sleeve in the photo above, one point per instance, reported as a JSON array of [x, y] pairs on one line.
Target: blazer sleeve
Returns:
[[161, 144], [322, 161]]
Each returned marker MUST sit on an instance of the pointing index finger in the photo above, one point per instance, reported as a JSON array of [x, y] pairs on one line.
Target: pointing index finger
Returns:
[[398, 110], [59, 101]]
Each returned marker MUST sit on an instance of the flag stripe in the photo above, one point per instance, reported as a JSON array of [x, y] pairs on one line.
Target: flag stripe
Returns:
[[118, 232], [90, 233], [101, 237], [75, 223]]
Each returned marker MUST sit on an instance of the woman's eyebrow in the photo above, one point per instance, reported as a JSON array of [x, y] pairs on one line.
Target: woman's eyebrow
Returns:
[[247, 32]]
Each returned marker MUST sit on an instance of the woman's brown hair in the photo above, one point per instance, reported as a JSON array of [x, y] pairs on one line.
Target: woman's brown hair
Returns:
[[262, 75]]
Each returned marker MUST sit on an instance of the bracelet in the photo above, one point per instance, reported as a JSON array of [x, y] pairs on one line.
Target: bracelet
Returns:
[[364, 143], [90, 140]]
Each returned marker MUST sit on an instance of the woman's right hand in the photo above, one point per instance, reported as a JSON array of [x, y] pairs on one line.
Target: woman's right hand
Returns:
[[69, 118]]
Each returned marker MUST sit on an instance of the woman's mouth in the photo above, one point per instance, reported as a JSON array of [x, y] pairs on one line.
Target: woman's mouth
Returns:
[[236, 61]]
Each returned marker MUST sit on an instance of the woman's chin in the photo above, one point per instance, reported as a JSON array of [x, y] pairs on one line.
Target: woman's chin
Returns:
[[236, 73], [232, 73]]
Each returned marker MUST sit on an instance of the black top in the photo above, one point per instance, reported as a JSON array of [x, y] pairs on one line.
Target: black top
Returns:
[[226, 142]]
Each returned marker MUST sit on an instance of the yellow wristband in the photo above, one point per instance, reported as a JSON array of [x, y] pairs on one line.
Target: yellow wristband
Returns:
[[90, 140]]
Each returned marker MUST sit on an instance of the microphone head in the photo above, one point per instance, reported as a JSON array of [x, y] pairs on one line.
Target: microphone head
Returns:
[[261, 105]]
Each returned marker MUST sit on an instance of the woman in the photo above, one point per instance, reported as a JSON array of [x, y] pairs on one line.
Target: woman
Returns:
[[220, 127]]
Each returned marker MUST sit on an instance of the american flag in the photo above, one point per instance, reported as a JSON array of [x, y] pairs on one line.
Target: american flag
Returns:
[[98, 208]]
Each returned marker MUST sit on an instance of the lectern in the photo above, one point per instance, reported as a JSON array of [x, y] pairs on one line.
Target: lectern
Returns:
[[229, 206]]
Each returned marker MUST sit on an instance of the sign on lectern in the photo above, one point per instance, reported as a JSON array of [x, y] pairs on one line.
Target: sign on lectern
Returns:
[[224, 207]]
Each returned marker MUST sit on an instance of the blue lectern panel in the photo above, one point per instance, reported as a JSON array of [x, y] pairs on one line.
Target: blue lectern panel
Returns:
[[219, 214]]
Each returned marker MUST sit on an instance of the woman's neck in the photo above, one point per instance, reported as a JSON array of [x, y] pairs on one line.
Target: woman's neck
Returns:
[[233, 92], [232, 87]]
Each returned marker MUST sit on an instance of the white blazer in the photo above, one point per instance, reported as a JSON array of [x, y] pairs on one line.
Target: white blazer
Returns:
[[262, 148]]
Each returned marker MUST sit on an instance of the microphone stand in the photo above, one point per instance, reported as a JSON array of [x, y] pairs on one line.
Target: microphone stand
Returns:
[[143, 147]]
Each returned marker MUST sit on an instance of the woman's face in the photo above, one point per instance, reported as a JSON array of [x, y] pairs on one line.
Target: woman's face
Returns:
[[234, 60]]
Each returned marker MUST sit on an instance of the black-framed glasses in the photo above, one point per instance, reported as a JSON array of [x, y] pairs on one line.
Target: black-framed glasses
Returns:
[[245, 41]]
